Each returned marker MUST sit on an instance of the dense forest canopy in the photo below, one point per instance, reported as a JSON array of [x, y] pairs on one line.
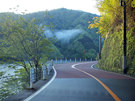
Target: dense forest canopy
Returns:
[[70, 28], [110, 26], [67, 30]]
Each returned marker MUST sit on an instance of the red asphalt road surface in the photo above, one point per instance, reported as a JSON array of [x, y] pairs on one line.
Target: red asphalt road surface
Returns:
[[84, 83], [65, 71], [121, 85]]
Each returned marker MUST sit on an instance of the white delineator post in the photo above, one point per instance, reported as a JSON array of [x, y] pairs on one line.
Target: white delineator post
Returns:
[[70, 60], [51, 62], [44, 72], [66, 60], [48, 66], [80, 60], [75, 59], [32, 78]]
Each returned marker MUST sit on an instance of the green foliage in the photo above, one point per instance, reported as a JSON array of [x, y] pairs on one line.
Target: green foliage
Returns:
[[132, 68], [1, 74], [110, 26], [22, 43], [22, 40], [61, 19], [22, 76], [76, 47], [4, 93], [91, 54], [112, 52], [55, 53], [10, 87], [64, 19]]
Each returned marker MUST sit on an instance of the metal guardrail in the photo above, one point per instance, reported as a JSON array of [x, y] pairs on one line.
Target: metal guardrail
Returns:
[[62, 61]]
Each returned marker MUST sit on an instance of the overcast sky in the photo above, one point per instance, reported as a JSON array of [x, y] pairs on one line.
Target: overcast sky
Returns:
[[42, 5]]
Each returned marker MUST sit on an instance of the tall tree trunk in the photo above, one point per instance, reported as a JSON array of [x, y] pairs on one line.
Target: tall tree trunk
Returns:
[[25, 67], [28, 73]]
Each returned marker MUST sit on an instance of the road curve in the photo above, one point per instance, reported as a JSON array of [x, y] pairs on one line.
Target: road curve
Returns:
[[80, 82]]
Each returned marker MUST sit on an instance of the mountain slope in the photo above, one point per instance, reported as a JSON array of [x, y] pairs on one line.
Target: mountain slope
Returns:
[[74, 39]]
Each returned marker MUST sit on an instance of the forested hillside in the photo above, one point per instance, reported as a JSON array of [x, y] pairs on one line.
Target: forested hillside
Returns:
[[70, 27], [110, 26], [67, 30]]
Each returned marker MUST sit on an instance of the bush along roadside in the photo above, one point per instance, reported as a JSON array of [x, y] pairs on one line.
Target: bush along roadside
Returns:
[[113, 69]]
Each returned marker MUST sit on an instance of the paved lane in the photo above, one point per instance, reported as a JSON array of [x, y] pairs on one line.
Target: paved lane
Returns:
[[71, 84]]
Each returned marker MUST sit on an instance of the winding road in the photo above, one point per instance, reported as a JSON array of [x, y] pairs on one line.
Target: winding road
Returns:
[[81, 82]]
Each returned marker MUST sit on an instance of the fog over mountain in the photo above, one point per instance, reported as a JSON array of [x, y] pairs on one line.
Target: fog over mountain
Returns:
[[70, 28], [64, 35], [71, 31]]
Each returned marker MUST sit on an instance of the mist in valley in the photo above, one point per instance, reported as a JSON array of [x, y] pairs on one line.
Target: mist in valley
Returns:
[[63, 35]]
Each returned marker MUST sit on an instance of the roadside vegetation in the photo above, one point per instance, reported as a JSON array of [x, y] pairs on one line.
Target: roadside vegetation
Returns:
[[22, 44], [110, 25]]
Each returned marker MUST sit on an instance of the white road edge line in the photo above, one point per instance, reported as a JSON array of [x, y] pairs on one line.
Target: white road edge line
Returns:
[[42, 88], [112, 72], [73, 66], [114, 96]]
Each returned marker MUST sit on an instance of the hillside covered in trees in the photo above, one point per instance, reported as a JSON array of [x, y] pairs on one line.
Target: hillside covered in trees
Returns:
[[67, 30], [70, 29], [110, 26]]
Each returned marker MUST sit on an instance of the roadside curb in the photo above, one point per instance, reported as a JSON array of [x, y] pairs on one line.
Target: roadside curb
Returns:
[[42, 88], [112, 72]]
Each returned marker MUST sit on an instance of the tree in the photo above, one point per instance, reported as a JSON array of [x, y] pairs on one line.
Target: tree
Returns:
[[110, 25], [24, 41]]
